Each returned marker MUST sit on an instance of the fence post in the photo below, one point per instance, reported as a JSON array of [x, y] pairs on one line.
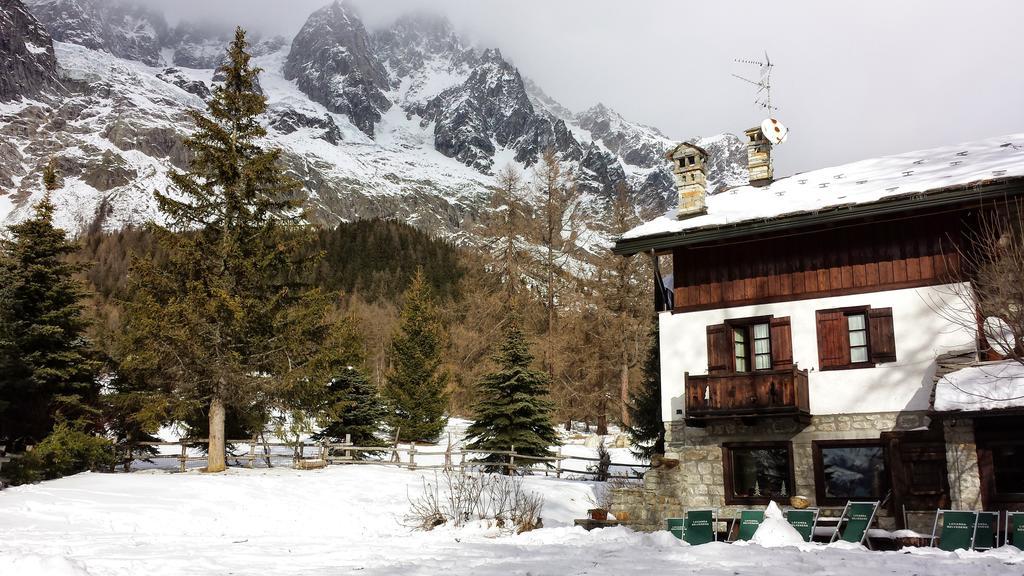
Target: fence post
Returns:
[[252, 452], [348, 440], [558, 465], [512, 459], [184, 455], [412, 456]]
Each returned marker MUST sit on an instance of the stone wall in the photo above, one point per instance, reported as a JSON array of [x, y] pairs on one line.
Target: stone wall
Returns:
[[697, 481], [962, 464]]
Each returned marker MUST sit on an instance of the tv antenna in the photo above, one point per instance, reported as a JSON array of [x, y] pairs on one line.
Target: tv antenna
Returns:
[[763, 96], [772, 129]]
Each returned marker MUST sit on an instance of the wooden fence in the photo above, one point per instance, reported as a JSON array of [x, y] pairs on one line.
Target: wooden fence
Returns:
[[312, 454]]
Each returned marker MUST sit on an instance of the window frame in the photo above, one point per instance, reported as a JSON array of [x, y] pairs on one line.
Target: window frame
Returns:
[[727, 470], [747, 326], [819, 467]]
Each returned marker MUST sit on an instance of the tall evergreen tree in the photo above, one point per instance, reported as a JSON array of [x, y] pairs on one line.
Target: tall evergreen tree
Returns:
[[50, 175], [220, 323], [416, 389], [353, 409], [48, 370], [647, 431], [513, 409]]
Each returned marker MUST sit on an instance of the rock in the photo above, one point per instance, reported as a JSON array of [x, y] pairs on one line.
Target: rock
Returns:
[[289, 120], [126, 30], [332, 62], [593, 441], [28, 66], [176, 77], [659, 461], [161, 142]]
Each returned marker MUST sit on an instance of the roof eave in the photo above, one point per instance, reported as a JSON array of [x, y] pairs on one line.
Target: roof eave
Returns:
[[929, 199]]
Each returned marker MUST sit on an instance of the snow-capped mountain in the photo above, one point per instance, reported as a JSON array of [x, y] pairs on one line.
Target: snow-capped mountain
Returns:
[[406, 122]]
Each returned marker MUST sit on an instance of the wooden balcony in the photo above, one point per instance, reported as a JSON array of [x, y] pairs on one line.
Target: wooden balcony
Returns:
[[751, 395]]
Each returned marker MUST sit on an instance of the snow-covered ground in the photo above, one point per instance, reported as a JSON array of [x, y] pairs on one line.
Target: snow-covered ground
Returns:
[[349, 519]]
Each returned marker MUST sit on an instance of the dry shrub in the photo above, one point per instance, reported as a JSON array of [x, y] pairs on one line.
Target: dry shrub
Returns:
[[456, 497]]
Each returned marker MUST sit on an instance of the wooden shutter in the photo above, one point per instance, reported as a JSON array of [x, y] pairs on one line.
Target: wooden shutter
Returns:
[[882, 337], [833, 339], [782, 343], [719, 349]]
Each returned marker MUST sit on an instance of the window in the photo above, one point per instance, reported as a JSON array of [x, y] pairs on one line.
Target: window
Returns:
[[1008, 469], [849, 470], [751, 340], [1000, 458], [757, 472], [858, 328], [762, 347], [747, 344], [739, 338], [858, 337]]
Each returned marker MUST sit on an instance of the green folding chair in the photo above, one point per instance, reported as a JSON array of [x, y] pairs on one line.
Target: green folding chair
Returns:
[[675, 526], [804, 521], [750, 520], [986, 531], [854, 523], [957, 529], [699, 526], [1014, 534]]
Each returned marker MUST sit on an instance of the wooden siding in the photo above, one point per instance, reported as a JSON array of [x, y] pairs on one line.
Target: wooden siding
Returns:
[[869, 257]]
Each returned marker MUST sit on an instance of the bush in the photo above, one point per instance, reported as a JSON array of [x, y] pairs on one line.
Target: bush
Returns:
[[457, 497], [67, 450]]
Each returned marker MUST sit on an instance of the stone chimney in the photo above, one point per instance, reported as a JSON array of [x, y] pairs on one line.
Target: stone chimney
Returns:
[[759, 158], [690, 169]]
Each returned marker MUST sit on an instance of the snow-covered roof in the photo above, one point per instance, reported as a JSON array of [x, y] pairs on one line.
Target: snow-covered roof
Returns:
[[986, 386], [860, 182]]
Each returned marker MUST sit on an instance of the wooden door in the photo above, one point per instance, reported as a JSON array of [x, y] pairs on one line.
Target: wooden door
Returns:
[[917, 470]]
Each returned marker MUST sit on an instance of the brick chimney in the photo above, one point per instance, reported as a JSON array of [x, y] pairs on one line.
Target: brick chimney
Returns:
[[690, 169], [759, 158]]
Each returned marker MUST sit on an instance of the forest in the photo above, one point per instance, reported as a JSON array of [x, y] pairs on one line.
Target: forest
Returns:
[[235, 316]]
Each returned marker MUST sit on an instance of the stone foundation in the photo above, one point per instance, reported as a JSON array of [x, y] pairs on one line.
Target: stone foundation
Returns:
[[698, 479]]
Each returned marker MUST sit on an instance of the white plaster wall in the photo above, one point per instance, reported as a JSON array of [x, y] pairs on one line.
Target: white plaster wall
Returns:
[[922, 326]]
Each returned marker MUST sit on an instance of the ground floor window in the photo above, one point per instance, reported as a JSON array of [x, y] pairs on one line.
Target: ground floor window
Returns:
[[849, 470], [1001, 458], [1008, 468], [756, 472]]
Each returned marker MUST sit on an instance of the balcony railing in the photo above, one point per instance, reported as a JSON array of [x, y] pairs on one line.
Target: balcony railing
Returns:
[[747, 395]]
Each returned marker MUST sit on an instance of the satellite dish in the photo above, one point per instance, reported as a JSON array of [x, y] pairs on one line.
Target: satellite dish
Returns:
[[999, 335], [774, 131]]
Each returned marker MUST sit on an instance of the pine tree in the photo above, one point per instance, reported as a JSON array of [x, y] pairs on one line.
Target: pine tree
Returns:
[[647, 432], [50, 175], [353, 409], [513, 409], [416, 389], [221, 323], [48, 369]]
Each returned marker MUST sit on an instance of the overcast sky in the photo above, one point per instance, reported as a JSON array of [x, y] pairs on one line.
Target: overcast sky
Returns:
[[852, 80]]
